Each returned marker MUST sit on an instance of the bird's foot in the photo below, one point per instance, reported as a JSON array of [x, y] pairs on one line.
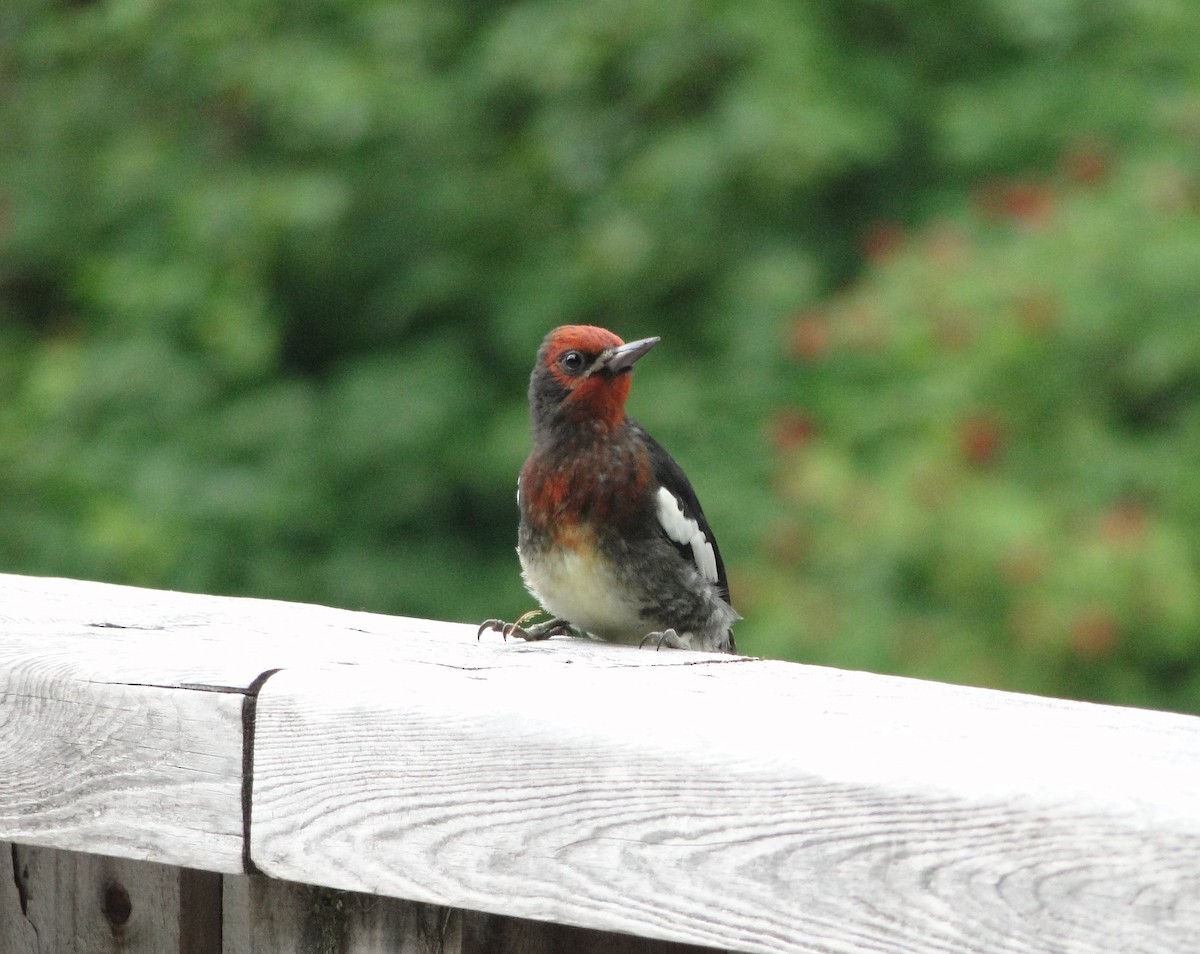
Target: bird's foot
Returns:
[[668, 638], [519, 630]]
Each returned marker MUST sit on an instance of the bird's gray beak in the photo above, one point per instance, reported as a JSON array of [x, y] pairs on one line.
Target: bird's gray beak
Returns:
[[623, 356]]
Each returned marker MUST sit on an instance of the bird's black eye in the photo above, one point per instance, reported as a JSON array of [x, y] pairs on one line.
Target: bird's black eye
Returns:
[[572, 362]]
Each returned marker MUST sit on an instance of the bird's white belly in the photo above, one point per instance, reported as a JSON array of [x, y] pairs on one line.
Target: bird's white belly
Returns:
[[580, 587]]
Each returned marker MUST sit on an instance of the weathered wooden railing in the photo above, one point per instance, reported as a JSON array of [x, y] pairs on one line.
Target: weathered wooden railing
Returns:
[[192, 774]]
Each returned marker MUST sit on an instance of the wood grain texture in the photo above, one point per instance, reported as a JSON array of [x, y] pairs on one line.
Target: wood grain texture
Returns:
[[761, 806], [497, 934], [135, 771], [77, 903], [18, 935], [266, 916]]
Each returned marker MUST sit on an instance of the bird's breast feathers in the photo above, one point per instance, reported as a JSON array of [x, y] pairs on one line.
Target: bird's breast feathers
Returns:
[[578, 583]]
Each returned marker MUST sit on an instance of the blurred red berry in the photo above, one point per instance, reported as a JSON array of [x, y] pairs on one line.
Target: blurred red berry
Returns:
[[1093, 635], [809, 337], [1087, 163], [981, 440], [1028, 203], [1125, 524], [792, 429], [881, 242]]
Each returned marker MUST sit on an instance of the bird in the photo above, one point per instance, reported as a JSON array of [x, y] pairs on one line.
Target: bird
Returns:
[[612, 540]]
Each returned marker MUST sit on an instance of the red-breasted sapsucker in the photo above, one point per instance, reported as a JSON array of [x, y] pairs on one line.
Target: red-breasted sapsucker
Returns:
[[612, 539]]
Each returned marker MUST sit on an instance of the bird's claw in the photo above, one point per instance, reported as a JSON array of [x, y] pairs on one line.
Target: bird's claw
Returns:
[[499, 626], [668, 638], [518, 629]]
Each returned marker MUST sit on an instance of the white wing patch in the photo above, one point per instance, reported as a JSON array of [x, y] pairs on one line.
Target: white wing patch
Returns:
[[686, 532]]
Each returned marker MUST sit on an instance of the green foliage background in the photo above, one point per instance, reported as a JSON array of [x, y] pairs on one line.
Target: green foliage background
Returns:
[[927, 274]]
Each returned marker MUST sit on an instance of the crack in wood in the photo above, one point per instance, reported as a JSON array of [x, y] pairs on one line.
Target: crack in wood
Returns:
[[190, 686], [19, 880]]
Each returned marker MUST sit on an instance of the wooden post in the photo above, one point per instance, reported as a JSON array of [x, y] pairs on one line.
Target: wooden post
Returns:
[[192, 774], [72, 902]]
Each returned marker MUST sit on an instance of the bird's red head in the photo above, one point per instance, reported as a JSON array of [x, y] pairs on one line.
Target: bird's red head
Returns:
[[582, 376]]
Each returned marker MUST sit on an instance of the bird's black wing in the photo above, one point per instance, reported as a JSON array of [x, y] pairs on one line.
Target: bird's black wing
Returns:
[[671, 476]]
